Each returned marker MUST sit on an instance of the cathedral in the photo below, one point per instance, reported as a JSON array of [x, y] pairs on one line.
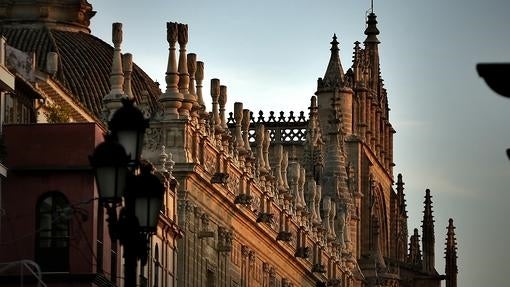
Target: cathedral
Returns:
[[252, 198]]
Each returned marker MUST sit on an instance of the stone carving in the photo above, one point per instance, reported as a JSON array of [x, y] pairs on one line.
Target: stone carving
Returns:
[[255, 204], [317, 200], [293, 176], [233, 185], [225, 238], [205, 232], [341, 224], [210, 163], [153, 139]]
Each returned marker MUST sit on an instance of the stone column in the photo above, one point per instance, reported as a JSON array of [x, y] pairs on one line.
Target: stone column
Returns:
[[187, 101], [171, 99], [127, 66], [112, 101]]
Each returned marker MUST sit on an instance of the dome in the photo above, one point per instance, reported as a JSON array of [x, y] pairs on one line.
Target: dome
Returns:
[[84, 60]]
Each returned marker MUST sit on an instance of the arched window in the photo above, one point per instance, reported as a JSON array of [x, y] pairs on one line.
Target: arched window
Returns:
[[52, 239]]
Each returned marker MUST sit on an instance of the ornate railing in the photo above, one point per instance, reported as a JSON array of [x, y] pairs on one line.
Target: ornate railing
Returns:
[[283, 129]]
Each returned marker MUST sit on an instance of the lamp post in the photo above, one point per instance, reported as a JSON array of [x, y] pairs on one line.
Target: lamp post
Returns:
[[124, 181]]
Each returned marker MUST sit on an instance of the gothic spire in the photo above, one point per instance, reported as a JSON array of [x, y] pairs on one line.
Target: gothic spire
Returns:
[[334, 75], [401, 196], [371, 47], [451, 256], [401, 220], [414, 249], [428, 239], [371, 31]]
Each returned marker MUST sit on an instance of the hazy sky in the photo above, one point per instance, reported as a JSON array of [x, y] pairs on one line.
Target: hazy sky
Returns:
[[452, 130]]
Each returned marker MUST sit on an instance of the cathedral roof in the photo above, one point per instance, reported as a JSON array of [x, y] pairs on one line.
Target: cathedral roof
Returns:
[[84, 60]]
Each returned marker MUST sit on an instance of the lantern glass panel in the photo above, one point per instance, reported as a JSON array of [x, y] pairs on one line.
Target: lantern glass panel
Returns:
[[129, 140], [147, 211], [111, 182]]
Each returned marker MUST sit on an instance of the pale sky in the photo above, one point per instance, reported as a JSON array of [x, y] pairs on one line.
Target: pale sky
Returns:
[[452, 130]]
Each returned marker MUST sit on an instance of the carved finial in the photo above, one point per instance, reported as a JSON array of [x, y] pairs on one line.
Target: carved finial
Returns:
[[182, 34], [127, 66], [246, 127], [117, 35], [112, 101], [334, 76], [371, 31], [199, 77], [171, 32], [171, 99], [238, 117], [163, 156], [222, 100], [334, 43], [192, 68], [259, 139], [265, 144], [215, 94], [188, 99]]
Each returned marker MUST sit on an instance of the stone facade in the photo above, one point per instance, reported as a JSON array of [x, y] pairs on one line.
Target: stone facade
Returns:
[[270, 199]]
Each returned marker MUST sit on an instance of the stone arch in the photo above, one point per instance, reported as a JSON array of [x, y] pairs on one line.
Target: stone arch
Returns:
[[379, 211]]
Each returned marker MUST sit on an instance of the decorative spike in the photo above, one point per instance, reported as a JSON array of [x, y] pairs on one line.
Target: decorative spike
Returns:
[[451, 269], [334, 76], [428, 240], [171, 99], [414, 249]]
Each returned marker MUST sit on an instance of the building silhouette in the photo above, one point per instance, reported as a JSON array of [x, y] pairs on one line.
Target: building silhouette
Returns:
[[262, 198]]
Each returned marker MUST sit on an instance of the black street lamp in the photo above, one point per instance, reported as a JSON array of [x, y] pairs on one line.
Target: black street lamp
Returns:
[[123, 180], [496, 76]]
